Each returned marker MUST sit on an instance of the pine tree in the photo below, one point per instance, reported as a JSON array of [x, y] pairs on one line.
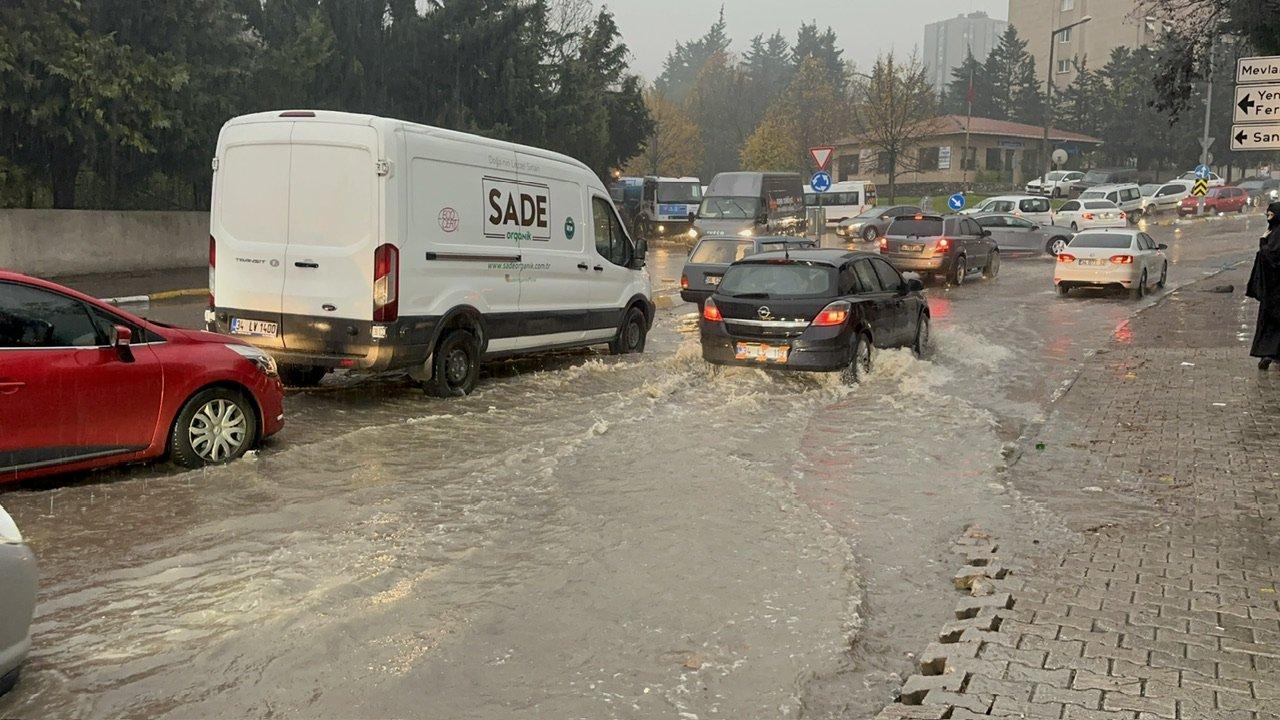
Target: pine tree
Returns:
[[681, 68], [968, 74], [824, 47], [767, 69], [1006, 71]]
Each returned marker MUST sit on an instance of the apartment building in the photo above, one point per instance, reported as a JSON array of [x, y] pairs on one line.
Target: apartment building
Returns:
[[1116, 23], [948, 41]]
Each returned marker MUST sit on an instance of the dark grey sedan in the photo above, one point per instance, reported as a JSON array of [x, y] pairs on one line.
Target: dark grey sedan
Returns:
[[871, 224], [713, 255], [1016, 234]]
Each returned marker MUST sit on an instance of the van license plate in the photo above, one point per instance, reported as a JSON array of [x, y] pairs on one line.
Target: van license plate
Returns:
[[762, 353], [713, 279], [256, 328], [914, 247]]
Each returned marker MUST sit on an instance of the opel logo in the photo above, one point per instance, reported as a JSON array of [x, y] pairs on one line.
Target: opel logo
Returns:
[[764, 312]]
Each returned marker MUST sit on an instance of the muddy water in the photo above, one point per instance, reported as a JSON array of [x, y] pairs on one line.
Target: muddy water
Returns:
[[584, 537]]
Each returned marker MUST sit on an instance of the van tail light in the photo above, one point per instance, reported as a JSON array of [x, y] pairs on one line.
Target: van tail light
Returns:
[[834, 314], [943, 244], [1088, 216], [1066, 258], [710, 312], [386, 283], [684, 281], [1121, 259], [1123, 215], [213, 265], [884, 244]]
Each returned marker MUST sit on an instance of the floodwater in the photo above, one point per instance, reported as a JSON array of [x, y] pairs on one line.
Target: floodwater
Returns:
[[584, 537]]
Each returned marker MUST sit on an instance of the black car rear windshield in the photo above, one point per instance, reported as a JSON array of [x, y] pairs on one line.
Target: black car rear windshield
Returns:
[[778, 279], [911, 227], [1104, 241], [721, 252]]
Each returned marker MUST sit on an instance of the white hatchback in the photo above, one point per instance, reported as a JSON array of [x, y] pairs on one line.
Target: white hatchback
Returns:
[[1034, 208], [1122, 259], [17, 600], [1091, 214]]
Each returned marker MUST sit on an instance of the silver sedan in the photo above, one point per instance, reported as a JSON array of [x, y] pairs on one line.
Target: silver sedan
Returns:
[[17, 600], [1017, 234]]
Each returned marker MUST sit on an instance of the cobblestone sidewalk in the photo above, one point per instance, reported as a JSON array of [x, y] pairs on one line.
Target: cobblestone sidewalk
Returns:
[[1156, 594]]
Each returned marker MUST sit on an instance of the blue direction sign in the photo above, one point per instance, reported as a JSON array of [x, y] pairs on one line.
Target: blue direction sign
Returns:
[[1202, 172], [956, 202], [821, 181]]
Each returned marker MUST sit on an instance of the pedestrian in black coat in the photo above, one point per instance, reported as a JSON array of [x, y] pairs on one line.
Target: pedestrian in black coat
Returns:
[[1264, 286]]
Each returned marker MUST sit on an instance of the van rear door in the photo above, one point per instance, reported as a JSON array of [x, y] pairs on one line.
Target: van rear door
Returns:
[[334, 202], [250, 224]]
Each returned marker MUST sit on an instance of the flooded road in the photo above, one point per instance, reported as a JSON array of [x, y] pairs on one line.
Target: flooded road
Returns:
[[585, 536]]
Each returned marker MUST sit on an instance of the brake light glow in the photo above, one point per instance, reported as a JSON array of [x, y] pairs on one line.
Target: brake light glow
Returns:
[[943, 244], [1121, 259], [213, 264], [834, 314], [884, 244], [710, 312], [1123, 215], [386, 283], [1088, 216], [1066, 258], [684, 282]]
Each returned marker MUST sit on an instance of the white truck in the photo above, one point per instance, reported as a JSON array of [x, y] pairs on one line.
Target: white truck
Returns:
[[353, 241]]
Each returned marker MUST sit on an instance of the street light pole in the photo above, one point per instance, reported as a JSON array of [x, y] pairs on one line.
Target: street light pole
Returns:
[[1048, 98]]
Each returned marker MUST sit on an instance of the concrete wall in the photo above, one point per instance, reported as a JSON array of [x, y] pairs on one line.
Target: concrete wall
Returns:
[[73, 242]]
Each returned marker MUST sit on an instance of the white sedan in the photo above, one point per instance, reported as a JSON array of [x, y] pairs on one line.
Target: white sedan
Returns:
[[1215, 180], [1124, 259], [1090, 215], [17, 600]]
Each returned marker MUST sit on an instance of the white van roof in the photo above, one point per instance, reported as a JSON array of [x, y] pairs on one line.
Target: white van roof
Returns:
[[1110, 187], [387, 126]]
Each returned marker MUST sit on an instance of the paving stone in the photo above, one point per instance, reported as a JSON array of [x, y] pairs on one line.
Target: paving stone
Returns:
[[1022, 673], [1161, 707], [1083, 698], [914, 712], [992, 686], [1010, 707], [1084, 680], [917, 686], [970, 701], [1075, 712]]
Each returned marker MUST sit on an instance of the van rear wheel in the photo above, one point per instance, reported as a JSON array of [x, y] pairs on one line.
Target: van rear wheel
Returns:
[[302, 375], [631, 336], [455, 366]]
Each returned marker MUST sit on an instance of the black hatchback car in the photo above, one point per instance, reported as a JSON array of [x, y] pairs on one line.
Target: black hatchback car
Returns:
[[813, 310]]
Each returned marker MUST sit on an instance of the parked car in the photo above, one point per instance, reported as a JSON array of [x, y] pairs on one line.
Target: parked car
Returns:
[[1103, 176], [1218, 200], [17, 600], [1055, 184], [712, 256], [1087, 214], [871, 224], [1124, 259], [1128, 197], [813, 310], [1034, 208], [1214, 179], [953, 247], [1166, 197], [85, 385], [1261, 190], [440, 257], [1015, 234]]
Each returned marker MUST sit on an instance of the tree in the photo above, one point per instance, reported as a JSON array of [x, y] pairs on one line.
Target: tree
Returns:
[[781, 141], [674, 148], [683, 65], [1078, 106], [969, 78], [772, 147], [897, 112], [768, 69], [713, 104], [1010, 75], [823, 47]]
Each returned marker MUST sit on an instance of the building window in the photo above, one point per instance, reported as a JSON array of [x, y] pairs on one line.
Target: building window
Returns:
[[1068, 5], [927, 159], [969, 158], [849, 166], [1064, 67], [882, 162], [1065, 36], [994, 159]]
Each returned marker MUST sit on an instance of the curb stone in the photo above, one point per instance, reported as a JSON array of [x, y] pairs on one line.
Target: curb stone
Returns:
[[155, 296]]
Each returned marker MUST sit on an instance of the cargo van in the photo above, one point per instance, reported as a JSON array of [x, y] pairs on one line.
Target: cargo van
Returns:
[[341, 240], [751, 203]]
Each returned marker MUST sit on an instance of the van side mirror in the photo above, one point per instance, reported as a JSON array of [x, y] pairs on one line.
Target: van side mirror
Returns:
[[637, 257], [121, 338], [693, 216]]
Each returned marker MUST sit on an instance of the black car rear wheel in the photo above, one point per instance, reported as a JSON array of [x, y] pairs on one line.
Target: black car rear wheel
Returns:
[[958, 270], [993, 265], [861, 362], [1139, 291], [924, 339], [1164, 276]]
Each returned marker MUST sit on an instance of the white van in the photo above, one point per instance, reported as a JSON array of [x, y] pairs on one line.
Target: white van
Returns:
[[340, 240], [844, 200], [1126, 196]]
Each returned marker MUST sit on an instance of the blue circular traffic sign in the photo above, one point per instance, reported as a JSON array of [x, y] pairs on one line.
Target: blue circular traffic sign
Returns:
[[821, 181], [1203, 173], [956, 202]]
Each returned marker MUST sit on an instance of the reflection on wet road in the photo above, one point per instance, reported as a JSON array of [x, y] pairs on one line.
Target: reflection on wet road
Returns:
[[586, 536]]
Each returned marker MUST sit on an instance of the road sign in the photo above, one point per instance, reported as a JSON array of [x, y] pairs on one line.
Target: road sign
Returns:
[[1203, 172], [1255, 137], [1258, 70], [821, 181], [822, 156], [1257, 103], [1060, 157], [956, 202], [1201, 188]]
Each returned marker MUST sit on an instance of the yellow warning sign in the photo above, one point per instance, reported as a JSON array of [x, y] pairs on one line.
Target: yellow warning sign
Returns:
[[1201, 188]]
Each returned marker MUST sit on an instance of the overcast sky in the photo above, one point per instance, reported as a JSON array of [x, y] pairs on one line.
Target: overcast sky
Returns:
[[651, 28]]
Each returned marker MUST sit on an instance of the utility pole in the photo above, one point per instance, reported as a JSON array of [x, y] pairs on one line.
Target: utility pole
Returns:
[[1048, 99], [1205, 141]]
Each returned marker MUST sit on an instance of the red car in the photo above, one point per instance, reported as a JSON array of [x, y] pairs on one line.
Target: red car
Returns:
[[1219, 200], [85, 385]]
